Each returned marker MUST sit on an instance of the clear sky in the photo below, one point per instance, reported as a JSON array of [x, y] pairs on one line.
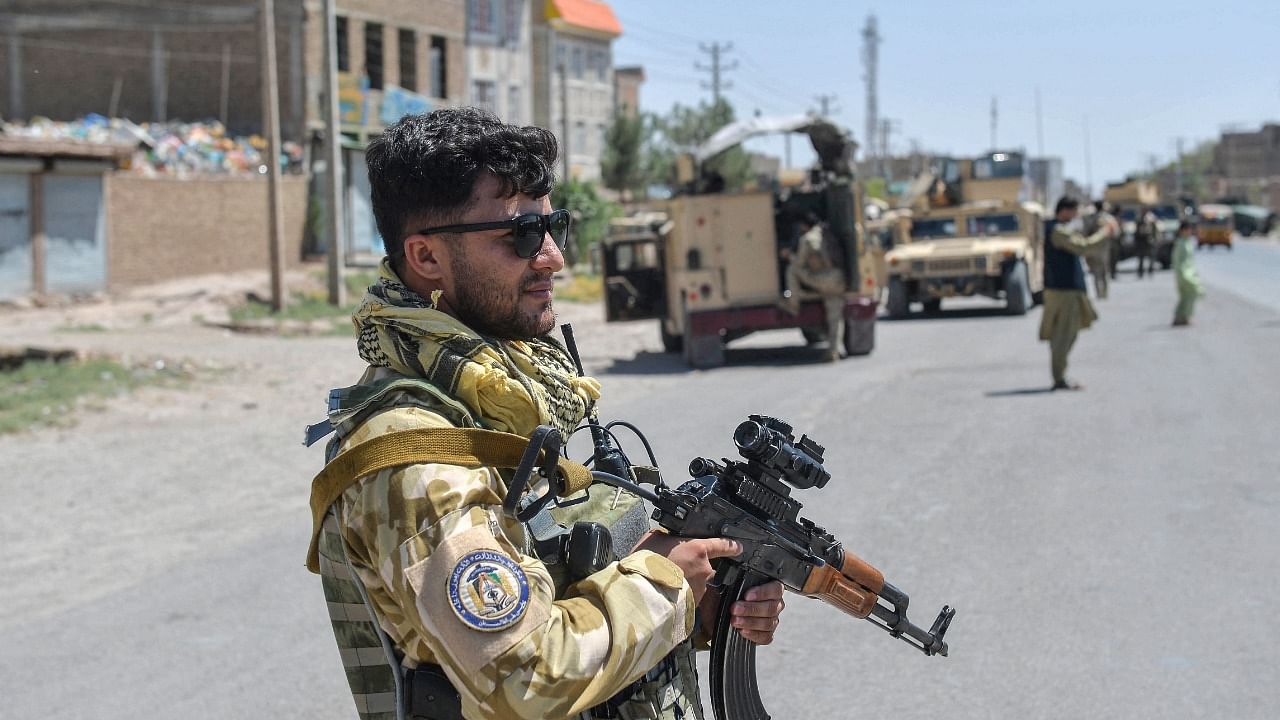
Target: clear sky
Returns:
[[1140, 73]]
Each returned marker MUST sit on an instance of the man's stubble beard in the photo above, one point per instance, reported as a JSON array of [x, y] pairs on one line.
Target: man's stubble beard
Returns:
[[481, 305]]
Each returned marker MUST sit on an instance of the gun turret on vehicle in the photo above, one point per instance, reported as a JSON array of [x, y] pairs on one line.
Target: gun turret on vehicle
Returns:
[[710, 271]]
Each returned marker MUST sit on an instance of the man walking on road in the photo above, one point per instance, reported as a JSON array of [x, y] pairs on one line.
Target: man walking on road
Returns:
[[1184, 275], [1067, 309], [477, 614]]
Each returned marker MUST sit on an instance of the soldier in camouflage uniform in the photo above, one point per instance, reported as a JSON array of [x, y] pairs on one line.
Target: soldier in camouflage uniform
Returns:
[[455, 335]]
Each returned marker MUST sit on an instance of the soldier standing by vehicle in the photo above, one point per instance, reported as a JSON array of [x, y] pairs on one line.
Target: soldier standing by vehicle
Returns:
[[1067, 309], [1144, 242], [1102, 258], [474, 614], [814, 266]]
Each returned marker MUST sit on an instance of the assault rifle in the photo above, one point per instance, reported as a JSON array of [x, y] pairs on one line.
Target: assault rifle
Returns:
[[749, 502]]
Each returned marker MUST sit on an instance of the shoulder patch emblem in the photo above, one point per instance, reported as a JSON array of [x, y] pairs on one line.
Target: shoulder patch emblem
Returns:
[[488, 591]]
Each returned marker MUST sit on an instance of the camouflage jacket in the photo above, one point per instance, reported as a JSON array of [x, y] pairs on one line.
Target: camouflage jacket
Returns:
[[454, 582]]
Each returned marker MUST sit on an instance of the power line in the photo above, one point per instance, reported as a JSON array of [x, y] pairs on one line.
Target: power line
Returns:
[[631, 24], [120, 51], [825, 103], [761, 78], [716, 68]]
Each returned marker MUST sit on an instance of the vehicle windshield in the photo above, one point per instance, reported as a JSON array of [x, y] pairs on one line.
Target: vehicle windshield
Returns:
[[933, 228], [998, 165], [1128, 215], [1166, 212], [1002, 224]]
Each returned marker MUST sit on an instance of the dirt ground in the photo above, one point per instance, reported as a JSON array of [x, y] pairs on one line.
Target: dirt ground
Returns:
[[153, 465]]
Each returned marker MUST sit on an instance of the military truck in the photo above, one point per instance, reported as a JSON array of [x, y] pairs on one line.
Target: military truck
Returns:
[[709, 267], [970, 233], [1129, 199], [993, 248]]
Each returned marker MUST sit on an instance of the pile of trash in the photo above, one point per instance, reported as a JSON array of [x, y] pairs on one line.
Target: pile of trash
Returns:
[[167, 149]]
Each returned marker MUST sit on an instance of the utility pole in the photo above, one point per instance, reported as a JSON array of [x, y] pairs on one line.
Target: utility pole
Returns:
[[1178, 176], [564, 119], [825, 103], [226, 84], [15, 74], [870, 64], [333, 157], [995, 115], [717, 68], [159, 78], [1039, 126], [888, 126], [271, 128], [1088, 159]]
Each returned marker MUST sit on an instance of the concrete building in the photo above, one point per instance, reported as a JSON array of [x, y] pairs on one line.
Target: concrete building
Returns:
[[1246, 165], [1047, 181], [190, 60], [573, 83], [195, 60], [626, 89], [499, 58], [1244, 155]]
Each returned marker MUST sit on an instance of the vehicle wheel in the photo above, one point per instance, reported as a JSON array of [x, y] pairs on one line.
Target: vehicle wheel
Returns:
[[898, 305], [813, 336], [859, 336], [1017, 297], [933, 307], [671, 342], [704, 351]]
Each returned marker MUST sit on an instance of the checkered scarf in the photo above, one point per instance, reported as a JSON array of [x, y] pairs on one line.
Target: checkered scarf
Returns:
[[509, 385]]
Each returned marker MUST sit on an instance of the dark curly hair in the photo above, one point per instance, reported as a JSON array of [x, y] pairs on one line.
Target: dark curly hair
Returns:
[[423, 168]]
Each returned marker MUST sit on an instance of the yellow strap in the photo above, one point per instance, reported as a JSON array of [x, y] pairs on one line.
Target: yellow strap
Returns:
[[445, 446]]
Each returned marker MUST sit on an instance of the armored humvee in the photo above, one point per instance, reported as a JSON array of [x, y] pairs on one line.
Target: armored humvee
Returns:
[[708, 267], [971, 233], [993, 248]]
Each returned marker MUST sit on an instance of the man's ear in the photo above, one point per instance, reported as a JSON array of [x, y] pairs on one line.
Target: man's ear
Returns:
[[425, 256]]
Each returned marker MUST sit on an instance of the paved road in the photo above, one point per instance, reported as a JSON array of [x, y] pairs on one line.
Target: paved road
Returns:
[[1112, 552], [1250, 269]]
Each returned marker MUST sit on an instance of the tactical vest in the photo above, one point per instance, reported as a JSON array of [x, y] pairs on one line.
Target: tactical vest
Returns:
[[382, 686], [1062, 270]]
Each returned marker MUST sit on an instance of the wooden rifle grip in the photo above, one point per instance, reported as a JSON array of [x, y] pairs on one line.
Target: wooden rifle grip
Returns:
[[862, 572], [854, 588]]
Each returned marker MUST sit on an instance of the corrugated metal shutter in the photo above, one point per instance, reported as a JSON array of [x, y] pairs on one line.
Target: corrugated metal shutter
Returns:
[[15, 236], [75, 224]]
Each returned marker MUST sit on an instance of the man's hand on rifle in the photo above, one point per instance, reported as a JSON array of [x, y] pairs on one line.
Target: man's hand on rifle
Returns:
[[692, 555], [756, 615]]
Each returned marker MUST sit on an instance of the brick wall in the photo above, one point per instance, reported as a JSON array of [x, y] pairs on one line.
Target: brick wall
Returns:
[[161, 229], [70, 72]]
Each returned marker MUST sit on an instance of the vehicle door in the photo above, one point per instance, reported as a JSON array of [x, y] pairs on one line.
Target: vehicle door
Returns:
[[635, 283]]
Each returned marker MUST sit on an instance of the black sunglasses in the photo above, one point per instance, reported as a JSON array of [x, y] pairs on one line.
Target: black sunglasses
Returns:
[[527, 231]]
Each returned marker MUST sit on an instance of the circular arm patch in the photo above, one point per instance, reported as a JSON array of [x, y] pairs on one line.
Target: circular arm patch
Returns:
[[488, 591]]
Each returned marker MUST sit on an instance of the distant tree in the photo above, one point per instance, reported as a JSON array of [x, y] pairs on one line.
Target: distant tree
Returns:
[[591, 215], [623, 166], [685, 128]]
